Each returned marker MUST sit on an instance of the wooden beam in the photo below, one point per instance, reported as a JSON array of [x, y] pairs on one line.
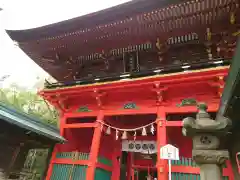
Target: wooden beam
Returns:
[[81, 114], [152, 110], [186, 169], [63, 121], [175, 78], [212, 107], [174, 123], [50, 166], [81, 162], [80, 125], [71, 162], [105, 167]]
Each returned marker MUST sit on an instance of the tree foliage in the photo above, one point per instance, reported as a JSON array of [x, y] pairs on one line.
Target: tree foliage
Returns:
[[29, 102]]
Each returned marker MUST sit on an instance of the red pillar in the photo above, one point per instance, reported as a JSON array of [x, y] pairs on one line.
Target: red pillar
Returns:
[[55, 150], [132, 174], [50, 166], [95, 148], [162, 170], [229, 170], [62, 123], [129, 165], [116, 160]]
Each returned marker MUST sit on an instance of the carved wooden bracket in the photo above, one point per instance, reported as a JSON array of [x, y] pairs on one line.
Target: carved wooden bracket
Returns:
[[61, 102], [58, 106], [99, 97], [159, 92], [219, 84]]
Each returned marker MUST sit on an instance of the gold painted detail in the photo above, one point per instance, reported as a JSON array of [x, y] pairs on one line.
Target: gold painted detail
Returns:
[[143, 78]]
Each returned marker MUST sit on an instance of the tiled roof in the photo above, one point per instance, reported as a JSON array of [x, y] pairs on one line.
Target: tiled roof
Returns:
[[111, 14], [24, 121]]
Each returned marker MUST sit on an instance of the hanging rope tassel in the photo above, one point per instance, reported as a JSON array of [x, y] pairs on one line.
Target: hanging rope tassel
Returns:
[[144, 132], [152, 129], [116, 134], [124, 131], [135, 135], [108, 132], [124, 135]]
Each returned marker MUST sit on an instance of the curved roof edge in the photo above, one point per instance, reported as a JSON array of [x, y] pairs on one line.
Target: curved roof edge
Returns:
[[100, 17], [24, 121], [231, 85]]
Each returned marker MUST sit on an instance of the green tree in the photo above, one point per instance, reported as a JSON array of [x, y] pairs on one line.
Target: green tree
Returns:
[[29, 102], [32, 104]]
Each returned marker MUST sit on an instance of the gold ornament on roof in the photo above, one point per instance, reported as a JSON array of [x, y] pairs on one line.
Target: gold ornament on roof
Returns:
[[158, 44], [209, 50], [209, 34], [232, 18]]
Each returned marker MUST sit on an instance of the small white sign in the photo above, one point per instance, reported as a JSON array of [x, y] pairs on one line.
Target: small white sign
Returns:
[[169, 152]]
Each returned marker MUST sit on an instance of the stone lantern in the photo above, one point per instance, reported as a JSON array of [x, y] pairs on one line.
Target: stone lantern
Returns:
[[206, 134]]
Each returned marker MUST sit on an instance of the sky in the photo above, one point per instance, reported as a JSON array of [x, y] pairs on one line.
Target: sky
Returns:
[[26, 14]]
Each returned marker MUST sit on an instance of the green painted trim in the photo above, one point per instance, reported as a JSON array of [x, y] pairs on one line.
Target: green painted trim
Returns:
[[188, 102], [130, 105], [101, 174], [61, 171], [83, 109], [64, 171], [104, 161], [184, 162], [72, 155], [82, 156]]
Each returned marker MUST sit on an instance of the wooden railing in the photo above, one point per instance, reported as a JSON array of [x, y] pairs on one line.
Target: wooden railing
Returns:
[[73, 165]]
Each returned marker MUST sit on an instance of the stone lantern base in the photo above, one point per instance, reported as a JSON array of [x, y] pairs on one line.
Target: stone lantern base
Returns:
[[206, 134], [210, 163]]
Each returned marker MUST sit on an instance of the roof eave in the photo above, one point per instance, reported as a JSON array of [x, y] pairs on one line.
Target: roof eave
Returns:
[[100, 17], [233, 80], [33, 125]]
